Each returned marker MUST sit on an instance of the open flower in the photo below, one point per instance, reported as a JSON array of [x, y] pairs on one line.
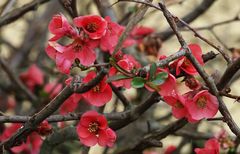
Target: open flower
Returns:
[[100, 94], [66, 55], [32, 77], [211, 147], [93, 25], [60, 27], [93, 129], [177, 102], [203, 105], [183, 64]]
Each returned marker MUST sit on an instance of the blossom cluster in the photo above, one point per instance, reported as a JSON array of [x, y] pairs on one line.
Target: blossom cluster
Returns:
[[90, 32], [93, 32]]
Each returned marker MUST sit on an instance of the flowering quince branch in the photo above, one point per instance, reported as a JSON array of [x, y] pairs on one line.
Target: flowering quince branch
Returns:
[[92, 32], [132, 23], [223, 109], [218, 48], [48, 110]]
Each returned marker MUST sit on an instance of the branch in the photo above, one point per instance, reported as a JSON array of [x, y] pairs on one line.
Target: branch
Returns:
[[137, 16], [17, 13], [48, 110], [150, 139], [120, 95], [208, 80], [191, 16], [228, 74], [16, 81]]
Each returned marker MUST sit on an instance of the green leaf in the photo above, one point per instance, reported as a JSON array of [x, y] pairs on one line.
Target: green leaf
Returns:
[[152, 71], [160, 78], [138, 82], [117, 77]]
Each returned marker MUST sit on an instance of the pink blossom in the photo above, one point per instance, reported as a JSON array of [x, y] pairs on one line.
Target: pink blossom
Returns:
[[177, 102], [183, 64], [100, 94], [203, 105], [110, 39], [93, 25], [93, 129], [60, 27]]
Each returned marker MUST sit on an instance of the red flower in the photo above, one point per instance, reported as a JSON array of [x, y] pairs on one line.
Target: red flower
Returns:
[[183, 64], [60, 27], [70, 104], [44, 128], [128, 63], [203, 105], [93, 129], [110, 39], [98, 95], [53, 89], [32, 77], [177, 102], [211, 147], [66, 55], [93, 25]]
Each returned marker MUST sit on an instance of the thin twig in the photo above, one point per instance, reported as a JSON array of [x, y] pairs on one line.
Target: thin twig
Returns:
[[208, 80]]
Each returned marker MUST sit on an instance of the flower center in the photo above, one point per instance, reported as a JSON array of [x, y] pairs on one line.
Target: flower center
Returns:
[[92, 27], [186, 62], [201, 102], [96, 88], [178, 105], [93, 127], [77, 47]]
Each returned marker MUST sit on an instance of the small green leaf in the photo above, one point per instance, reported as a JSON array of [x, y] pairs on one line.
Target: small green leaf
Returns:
[[138, 82], [117, 77], [160, 78], [152, 71]]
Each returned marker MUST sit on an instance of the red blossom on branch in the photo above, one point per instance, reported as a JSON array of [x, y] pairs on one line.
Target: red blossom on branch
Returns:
[[183, 64], [100, 94], [202, 105], [93, 129], [93, 25]]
